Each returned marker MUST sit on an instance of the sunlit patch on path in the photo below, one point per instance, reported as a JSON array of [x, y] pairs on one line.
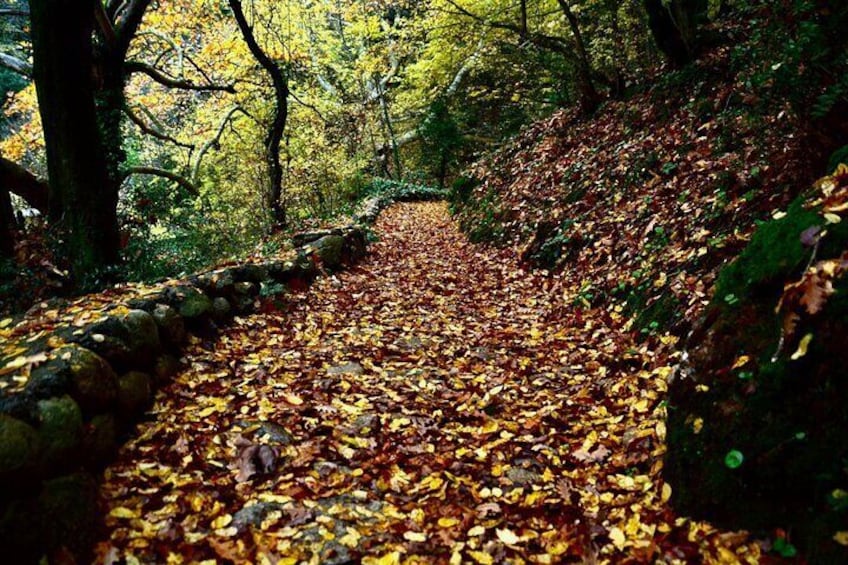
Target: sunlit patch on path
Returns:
[[430, 405]]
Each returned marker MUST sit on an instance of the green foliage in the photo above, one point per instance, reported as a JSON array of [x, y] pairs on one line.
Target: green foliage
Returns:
[[481, 220], [774, 254], [839, 156], [400, 191], [797, 52], [461, 190]]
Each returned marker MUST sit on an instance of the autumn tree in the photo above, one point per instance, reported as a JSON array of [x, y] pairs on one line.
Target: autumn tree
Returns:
[[274, 137]]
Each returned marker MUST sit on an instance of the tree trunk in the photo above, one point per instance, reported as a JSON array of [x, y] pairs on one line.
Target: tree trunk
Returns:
[[674, 27], [278, 125], [589, 97], [523, 19], [82, 200], [7, 225]]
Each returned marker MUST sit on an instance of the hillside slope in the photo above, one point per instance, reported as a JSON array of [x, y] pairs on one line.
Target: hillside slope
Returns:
[[635, 212]]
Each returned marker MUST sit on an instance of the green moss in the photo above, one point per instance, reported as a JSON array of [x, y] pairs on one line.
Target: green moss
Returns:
[[774, 255]]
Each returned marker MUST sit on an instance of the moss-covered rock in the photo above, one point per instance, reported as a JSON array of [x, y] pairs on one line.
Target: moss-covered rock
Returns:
[[107, 337], [170, 323], [99, 440], [329, 250], [20, 531], [165, 368], [143, 339], [60, 428], [94, 384], [756, 439], [19, 453], [68, 513], [191, 303], [221, 308], [134, 393]]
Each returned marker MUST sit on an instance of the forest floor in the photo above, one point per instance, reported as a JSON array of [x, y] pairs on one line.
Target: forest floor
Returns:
[[429, 405]]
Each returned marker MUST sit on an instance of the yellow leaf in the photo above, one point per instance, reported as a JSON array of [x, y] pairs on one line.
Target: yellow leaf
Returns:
[[617, 537], [666, 492], [350, 539], [802, 347], [222, 521], [481, 557], [293, 399], [398, 423], [841, 537], [476, 531], [698, 425], [448, 522], [507, 536], [415, 536], [122, 512], [6, 323], [392, 558], [741, 361]]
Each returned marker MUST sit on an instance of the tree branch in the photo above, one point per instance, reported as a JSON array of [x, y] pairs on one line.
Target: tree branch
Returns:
[[14, 13], [20, 181], [127, 16], [172, 82], [15, 64], [195, 170], [104, 25], [156, 172], [152, 131]]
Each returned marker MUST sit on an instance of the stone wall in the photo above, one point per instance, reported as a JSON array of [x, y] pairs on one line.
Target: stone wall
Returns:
[[69, 395]]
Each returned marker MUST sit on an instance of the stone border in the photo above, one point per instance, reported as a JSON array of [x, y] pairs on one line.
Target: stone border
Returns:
[[89, 384]]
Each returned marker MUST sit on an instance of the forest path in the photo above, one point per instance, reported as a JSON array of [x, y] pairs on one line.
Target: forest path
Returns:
[[430, 405]]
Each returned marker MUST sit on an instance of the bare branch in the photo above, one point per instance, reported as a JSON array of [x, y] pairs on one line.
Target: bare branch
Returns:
[[15, 64], [172, 82], [308, 105], [195, 170], [151, 130], [156, 172]]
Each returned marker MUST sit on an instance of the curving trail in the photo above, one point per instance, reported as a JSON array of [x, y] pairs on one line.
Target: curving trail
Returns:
[[434, 404]]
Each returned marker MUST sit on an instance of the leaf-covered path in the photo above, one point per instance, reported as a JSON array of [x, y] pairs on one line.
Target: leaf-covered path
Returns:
[[433, 404]]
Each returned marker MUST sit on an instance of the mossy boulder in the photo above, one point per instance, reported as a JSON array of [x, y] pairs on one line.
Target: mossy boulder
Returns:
[[170, 323], [756, 435], [221, 308], [165, 368], [143, 338], [134, 393], [191, 303], [60, 428], [94, 385], [20, 449], [108, 338], [99, 440], [21, 530], [329, 249], [68, 511]]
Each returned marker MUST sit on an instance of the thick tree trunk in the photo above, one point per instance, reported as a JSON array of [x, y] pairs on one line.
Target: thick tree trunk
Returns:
[[278, 125], [7, 225], [674, 27], [83, 200]]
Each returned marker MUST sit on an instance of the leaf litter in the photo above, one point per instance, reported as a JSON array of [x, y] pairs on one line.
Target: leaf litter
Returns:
[[429, 405]]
